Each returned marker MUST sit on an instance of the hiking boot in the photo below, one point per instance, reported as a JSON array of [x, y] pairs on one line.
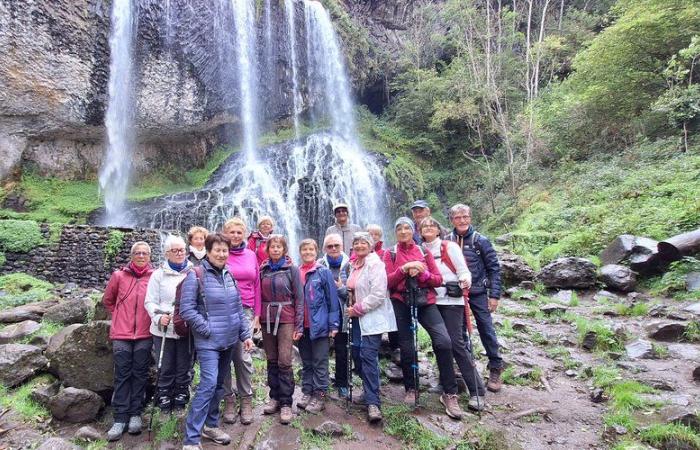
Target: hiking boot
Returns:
[[246, 410], [477, 403], [317, 403], [305, 399], [271, 407], [451, 404], [115, 433], [135, 425], [230, 414], [164, 402], [495, 383], [410, 397], [286, 414], [217, 435], [374, 414], [343, 393], [181, 397]]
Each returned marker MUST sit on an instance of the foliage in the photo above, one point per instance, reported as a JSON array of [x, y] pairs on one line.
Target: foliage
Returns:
[[2, 259], [309, 440], [19, 235], [605, 337], [671, 434], [399, 423], [47, 329], [20, 401], [21, 288], [55, 230], [672, 282], [114, 243]]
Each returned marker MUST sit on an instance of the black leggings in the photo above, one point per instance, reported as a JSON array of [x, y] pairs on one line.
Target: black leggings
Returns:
[[429, 317], [453, 315]]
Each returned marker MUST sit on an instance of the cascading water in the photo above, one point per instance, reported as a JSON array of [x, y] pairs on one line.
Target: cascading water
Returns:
[[296, 182], [289, 8], [119, 120]]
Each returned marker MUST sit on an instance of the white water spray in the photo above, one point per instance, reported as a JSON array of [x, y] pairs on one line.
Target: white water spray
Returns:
[[289, 7]]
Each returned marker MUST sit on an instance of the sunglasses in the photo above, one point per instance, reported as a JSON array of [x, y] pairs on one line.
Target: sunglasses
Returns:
[[333, 246]]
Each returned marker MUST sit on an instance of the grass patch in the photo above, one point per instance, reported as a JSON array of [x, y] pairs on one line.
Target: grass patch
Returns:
[[21, 289], [308, 440], [424, 342], [47, 329], [532, 378], [636, 310], [20, 401], [605, 340], [671, 435], [692, 332], [477, 437], [166, 427], [399, 423], [672, 282], [19, 236], [506, 329]]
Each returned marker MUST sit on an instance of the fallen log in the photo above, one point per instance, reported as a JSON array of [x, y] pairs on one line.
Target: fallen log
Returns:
[[678, 246]]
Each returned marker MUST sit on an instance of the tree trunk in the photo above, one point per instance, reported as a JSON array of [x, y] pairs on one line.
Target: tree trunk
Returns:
[[680, 245]]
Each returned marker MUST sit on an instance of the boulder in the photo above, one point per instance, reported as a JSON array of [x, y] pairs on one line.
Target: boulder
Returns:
[[693, 308], [101, 313], [17, 331], [692, 281], [57, 443], [75, 405], [680, 415], [81, 356], [570, 272], [19, 362], [605, 296], [663, 330], [43, 393], [68, 312], [689, 352], [617, 277], [393, 372], [503, 239], [564, 296], [618, 250], [330, 428], [31, 311], [590, 339], [644, 255], [640, 349], [553, 308], [514, 269]]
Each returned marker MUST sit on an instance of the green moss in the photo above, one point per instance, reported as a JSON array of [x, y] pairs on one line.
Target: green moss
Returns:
[[55, 230], [19, 235], [21, 288], [113, 246], [672, 282]]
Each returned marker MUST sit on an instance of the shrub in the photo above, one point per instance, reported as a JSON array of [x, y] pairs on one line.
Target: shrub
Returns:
[[113, 245], [19, 235]]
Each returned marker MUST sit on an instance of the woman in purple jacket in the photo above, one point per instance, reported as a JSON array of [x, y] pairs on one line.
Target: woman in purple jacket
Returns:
[[282, 323], [243, 264]]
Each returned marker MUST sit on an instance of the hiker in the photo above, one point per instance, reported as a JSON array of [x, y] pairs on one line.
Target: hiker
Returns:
[[243, 265], [372, 315], [195, 238], [257, 241], [405, 260], [131, 339], [339, 264], [375, 231], [420, 210], [342, 226], [321, 321], [486, 285], [282, 323], [173, 390], [450, 301], [211, 306]]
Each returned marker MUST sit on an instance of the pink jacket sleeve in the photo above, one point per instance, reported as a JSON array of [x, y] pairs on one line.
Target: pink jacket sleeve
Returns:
[[394, 275]]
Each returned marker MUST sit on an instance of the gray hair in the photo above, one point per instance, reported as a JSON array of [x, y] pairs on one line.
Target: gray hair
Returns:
[[459, 207], [332, 237], [140, 244], [375, 227], [363, 236], [172, 240]]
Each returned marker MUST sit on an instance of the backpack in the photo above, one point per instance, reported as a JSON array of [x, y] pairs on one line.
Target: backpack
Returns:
[[179, 324], [392, 252]]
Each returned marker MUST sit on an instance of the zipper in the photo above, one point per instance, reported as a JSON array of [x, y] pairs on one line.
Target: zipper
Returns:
[[138, 280]]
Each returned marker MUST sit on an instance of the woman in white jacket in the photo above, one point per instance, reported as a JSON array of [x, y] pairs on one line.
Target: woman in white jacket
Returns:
[[175, 375], [450, 260], [372, 315]]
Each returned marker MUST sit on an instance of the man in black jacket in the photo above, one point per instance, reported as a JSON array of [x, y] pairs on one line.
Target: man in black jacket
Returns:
[[486, 285]]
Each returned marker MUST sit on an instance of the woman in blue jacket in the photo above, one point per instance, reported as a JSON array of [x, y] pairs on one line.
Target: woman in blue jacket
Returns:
[[211, 306], [321, 321]]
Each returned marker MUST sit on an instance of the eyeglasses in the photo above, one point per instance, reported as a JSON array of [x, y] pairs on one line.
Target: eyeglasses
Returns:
[[177, 251], [429, 225], [333, 246], [141, 253], [460, 217]]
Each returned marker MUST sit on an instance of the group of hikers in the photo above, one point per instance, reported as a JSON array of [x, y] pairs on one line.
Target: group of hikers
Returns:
[[213, 293]]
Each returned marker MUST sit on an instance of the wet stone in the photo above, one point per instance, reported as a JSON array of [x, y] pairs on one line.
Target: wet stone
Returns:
[[17, 331], [692, 281], [88, 433], [598, 396], [665, 330], [589, 340], [329, 428], [570, 373], [640, 349], [564, 296], [553, 308], [693, 309]]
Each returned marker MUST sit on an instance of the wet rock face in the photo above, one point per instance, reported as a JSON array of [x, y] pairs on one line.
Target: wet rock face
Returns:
[[19, 362]]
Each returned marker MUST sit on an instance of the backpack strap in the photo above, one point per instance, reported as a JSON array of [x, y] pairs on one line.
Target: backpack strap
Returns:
[[475, 240], [199, 275], [445, 257]]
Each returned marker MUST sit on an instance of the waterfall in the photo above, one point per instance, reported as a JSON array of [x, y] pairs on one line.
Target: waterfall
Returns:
[[244, 20], [291, 28], [116, 167]]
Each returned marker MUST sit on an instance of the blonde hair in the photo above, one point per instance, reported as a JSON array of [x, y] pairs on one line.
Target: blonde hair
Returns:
[[375, 227], [196, 229], [309, 241], [264, 219], [235, 222]]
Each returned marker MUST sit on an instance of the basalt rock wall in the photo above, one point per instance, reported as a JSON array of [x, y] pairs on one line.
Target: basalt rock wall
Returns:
[[80, 254]]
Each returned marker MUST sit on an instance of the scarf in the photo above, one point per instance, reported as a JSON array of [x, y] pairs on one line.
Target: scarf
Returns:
[[277, 265], [178, 267], [199, 254], [334, 263], [138, 271], [237, 250], [305, 268]]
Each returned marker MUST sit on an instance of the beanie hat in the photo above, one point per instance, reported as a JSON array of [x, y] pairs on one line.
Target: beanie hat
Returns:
[[405, 221]]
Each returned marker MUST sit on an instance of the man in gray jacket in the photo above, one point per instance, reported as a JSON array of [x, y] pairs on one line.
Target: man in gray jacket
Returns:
[[342, 226]]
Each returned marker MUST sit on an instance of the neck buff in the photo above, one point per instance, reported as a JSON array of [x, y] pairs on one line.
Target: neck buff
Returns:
[[138, 271], [334, 262], [199, 254], [178, 267]]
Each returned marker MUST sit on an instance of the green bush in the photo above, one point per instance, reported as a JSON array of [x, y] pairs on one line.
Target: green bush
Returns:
[[21, 288], [113, 246], [2, 259], [19, 235]]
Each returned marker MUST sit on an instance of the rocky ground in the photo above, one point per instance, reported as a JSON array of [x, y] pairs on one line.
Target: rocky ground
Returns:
[[587, 369]]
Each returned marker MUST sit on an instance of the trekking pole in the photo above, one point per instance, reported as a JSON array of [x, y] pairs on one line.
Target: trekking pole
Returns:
[[470, 347], [348, 399], [412, 291], [160, 362]]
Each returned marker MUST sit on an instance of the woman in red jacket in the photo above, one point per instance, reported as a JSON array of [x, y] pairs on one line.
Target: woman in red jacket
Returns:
[[131, 339], [406, 263]]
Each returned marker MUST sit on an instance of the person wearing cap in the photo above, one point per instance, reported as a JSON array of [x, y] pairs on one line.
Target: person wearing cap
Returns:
[[407, 263], [372, 315], [420, 210], [342, 226]]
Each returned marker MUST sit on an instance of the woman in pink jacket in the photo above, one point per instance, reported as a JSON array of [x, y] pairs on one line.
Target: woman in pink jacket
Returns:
[[131, 339], [243, 264]]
